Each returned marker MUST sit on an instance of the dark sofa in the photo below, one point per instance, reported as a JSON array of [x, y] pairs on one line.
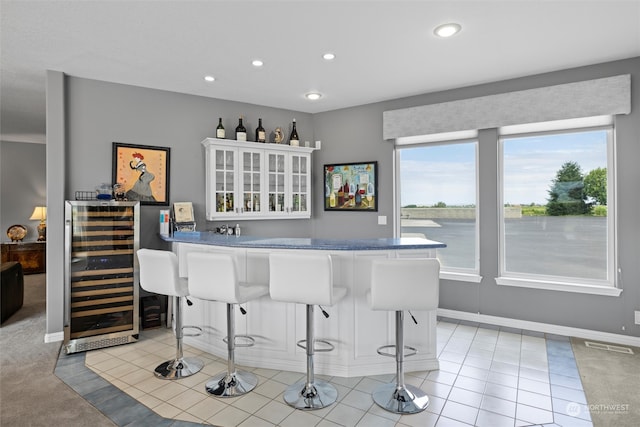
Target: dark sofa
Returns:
[[11, 289]]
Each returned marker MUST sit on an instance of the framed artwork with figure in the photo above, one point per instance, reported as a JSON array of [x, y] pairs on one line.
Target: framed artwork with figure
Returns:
[[142, 172]]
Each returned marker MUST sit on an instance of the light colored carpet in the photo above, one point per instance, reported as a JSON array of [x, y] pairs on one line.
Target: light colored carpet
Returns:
[[30, 393], [611, 382]]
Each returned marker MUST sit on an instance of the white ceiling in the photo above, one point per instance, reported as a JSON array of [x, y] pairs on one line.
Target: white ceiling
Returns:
[[385, 49]]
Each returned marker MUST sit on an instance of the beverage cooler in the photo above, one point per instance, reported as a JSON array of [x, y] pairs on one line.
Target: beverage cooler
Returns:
[[101, 274]]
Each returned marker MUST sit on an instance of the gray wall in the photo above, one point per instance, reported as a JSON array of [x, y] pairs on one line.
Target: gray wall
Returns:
[[356, 134], [23, 185], [98, 113]]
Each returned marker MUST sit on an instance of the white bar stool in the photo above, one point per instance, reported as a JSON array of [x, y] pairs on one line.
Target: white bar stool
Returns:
[[397, 285], [213, 277], [159, 274], [306, 279]]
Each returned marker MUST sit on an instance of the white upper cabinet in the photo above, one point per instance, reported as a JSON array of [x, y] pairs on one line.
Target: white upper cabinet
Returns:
[[248, 180]]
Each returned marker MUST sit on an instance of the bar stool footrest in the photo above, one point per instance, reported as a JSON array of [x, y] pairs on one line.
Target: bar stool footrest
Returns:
[[412, 351], [198, 330], [250, 341], [330, 347]]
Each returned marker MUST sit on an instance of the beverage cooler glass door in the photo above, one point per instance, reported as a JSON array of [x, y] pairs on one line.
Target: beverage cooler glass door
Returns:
[[101, 274]]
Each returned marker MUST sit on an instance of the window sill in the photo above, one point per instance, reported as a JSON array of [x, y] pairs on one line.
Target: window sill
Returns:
[[559, 286], [460, 277]]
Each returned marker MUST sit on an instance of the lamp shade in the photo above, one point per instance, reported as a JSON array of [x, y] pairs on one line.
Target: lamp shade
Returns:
[[39, 213]]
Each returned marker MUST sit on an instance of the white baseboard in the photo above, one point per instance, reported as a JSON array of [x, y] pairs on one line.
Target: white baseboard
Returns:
[[542, 327], [54, 337]]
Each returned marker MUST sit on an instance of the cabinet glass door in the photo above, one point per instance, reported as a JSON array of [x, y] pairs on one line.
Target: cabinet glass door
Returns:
[[251, 180], [299, 201], [276, 177], [225, 183]]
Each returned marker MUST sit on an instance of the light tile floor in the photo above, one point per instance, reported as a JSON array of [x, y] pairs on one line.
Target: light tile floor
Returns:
[[489, 376]]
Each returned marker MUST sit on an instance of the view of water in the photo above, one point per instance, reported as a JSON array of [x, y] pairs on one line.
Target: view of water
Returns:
[[558, 245]]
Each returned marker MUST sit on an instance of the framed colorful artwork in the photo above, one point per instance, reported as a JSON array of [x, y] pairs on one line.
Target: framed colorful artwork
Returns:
[[351, 187], [142, 172]]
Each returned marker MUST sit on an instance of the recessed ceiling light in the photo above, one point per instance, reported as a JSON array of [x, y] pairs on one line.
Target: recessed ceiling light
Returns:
[[329, 56], [447, 30], [313, 96], [209, 78], [257, 63]]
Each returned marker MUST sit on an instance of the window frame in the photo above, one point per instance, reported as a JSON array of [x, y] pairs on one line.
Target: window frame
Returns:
[[609, 286], [452, 273]]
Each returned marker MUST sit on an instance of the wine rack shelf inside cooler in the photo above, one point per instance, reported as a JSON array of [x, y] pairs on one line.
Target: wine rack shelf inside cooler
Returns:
[[102, 292]]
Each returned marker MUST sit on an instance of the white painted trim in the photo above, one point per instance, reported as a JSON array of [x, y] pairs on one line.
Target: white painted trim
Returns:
[[548, 328], [559, 286], [460, 277], [54, 337]]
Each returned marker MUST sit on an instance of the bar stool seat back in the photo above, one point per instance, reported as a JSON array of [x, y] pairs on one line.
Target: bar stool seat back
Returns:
[[400, 284], [405, 284], [213, 277], [306, 279], [159, 274]]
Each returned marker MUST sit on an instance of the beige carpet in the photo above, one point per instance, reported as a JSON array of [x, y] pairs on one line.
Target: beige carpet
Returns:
[[611, 381], [30, 393]]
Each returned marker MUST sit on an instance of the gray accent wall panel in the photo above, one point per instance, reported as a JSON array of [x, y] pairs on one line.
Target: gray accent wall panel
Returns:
[[98, 113]]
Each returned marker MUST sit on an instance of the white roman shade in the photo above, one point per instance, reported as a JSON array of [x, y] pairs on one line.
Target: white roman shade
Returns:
[[599, 97]]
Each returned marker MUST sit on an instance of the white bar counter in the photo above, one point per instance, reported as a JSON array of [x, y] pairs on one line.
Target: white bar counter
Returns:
[[354, 329]]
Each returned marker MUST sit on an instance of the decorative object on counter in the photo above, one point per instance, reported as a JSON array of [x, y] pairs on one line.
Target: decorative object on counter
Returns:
[[85, 195], [261, 134], [17, 232], [236, 230], [104, 191], [294, 140], [278, 136], [143, 172], [183, 217], [165, 222], [220, 133], [119, 193], [241, 131], [351, 187], [40, 214]]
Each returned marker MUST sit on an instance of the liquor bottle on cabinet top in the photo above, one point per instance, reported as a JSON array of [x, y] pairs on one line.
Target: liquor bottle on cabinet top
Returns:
[[241, 131], [293, 139], [261, 135], [220, 134]]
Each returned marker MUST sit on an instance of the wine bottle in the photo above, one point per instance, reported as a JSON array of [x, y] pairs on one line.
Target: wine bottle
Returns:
[[220, 134], [293, 139], [261, 135], [241, 131]]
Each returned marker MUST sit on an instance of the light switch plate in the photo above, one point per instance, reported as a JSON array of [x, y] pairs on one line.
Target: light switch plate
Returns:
[[382, 220], [637, 317]]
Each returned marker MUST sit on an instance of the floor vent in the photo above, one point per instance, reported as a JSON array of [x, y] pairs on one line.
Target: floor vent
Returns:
[[608, 347]]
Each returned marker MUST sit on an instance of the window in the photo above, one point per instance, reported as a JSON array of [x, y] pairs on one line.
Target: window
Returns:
[[437, 188], [557, 216]]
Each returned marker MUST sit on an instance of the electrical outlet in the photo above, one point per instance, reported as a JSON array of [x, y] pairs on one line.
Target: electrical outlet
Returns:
[[637, 317]]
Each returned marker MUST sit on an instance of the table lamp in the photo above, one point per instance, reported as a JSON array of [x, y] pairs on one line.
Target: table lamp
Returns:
[[40, 213]]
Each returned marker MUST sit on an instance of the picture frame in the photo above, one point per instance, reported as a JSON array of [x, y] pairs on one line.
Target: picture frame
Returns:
[[351, 187], [142, 172]]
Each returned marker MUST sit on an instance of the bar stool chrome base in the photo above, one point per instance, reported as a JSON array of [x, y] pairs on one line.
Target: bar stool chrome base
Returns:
[[178, 368], [308, 397], [236, 384], [406, 399]]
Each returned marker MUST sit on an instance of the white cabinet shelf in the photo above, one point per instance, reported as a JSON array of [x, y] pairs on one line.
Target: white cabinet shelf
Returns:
[[249, 180]]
